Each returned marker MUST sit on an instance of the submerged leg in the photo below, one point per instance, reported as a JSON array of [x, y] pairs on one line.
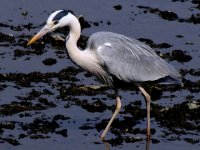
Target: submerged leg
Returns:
[[117, 109], [148, 102]]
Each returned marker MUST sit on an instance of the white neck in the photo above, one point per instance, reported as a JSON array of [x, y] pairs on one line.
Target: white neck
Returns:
[[74, 35], [86, 58], [82, 58]]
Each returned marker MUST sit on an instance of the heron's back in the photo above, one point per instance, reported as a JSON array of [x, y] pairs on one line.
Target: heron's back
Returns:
[[129, 59]]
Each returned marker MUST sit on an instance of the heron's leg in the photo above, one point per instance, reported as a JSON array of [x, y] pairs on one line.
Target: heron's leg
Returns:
[[117, 109], [148, 102]]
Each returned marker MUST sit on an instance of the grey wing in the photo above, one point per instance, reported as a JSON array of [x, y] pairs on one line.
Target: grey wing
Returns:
[[131, 60]]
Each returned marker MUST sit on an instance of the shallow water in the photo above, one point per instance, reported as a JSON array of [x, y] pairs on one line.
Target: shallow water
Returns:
[[43, 106]]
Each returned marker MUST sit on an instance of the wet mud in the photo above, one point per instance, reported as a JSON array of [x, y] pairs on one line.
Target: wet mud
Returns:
[[38, 104]]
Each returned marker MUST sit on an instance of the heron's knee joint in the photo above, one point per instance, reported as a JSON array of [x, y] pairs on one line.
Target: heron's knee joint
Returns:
[[118, 107], [148, 98], [119, 104]]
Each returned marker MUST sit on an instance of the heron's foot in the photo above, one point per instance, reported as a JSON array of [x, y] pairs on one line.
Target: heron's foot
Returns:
[[57, 37]]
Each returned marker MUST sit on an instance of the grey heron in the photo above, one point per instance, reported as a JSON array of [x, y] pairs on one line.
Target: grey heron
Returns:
[[112, 57]]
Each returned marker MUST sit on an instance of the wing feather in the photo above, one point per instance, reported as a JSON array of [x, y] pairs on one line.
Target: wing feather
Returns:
[[128, 59]]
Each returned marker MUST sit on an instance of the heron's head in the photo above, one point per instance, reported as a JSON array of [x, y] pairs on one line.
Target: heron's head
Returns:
[[57, 19]]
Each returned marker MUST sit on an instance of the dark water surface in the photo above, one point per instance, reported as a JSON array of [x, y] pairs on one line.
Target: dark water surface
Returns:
[[43, 101]]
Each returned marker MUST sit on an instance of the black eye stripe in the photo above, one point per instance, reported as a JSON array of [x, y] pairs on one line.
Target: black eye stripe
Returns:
[[59, 15]]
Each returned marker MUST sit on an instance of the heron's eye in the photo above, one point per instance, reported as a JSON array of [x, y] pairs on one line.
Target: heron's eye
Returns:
[[55, 22]]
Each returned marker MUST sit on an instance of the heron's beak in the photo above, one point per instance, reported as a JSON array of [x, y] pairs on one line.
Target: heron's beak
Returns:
[[41, 33]]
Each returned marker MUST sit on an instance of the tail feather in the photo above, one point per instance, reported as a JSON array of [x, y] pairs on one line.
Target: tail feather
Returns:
[[170, 80]]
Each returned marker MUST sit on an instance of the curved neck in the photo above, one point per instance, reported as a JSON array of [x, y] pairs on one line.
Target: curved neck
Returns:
[[75, 29], [84, 59], [74, 35]]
